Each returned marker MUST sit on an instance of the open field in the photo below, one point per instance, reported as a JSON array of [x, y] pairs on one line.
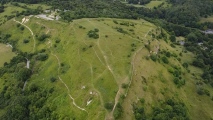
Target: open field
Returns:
[[91, 72], [152, 4], [93, 69], [6, 54], [208, 19]]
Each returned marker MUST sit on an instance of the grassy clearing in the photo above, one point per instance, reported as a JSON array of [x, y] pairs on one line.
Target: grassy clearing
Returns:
[[6, 54], [93, 69], [208, 19], [156, 3]]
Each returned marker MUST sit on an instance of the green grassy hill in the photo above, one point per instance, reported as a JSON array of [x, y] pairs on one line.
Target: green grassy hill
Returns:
[[97, 65]]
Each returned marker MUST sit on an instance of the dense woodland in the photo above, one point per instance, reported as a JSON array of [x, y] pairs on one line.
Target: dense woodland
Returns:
[[181, 19]]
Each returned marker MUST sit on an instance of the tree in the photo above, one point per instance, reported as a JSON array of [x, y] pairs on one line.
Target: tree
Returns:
[[173, 38], [23, 74], [165, 60]]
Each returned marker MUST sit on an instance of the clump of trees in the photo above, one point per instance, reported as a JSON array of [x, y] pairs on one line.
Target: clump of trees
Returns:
[[1, 8], [43, 37], [108, 105], [42, 56], [167, 110], [93, 33], [121, 30], [25, 41]]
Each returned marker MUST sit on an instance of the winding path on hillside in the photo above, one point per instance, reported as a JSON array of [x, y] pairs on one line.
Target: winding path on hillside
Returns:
[[73, 100], [118, 94], [133, 63], [34, 44], [59, 66]]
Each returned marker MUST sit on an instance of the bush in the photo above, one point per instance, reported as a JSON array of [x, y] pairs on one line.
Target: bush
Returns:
[[185, 65], [93, 34], [115, 21], [43, 36], [57, 40], [53, 79], [165, 60], [154, 58], [42, 56], [22, 28], [108, 106], [124, 85], [25, 41]]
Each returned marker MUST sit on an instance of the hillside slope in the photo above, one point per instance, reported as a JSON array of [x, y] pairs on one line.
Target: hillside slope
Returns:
[[99, 68]]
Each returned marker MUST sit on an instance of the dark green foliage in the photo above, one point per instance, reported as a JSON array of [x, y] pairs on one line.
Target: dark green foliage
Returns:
[[1, 8], [18, 25], [153, 57], [43, 37], [198, 63], [21, 28], [93, 33], [42, 56], [124, 85], [168, 54], [20, 104], [121, 30], [25, 41], [23, 74], [165, 60], [53, 79], [57, 40], [170, 110], [192, 37], [115, 21], [118, 111], [179, 82], [108, 106], [185, 65], [139, 112]]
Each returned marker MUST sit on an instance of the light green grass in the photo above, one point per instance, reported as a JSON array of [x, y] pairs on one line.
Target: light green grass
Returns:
[[155, 3], [87, 62], [159, 85], [208, 19], [85, 67], [6, 54]]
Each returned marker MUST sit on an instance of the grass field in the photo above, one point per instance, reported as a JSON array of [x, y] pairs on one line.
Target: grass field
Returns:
[[91, 72], [6, 54], [152, 4], [93, 69], [208, 19]]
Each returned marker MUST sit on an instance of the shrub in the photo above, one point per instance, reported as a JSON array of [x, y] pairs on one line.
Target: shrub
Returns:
[[115, 21], [165, 60], [53, 79], [57, 40], [42, 56], [21, 28], [153, 57], [93, 34], [124, 85], [43, 36], [108, 106], [25, 41]]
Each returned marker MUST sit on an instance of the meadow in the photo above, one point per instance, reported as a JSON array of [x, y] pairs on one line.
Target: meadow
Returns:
[[6, 54], [100, 62]]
